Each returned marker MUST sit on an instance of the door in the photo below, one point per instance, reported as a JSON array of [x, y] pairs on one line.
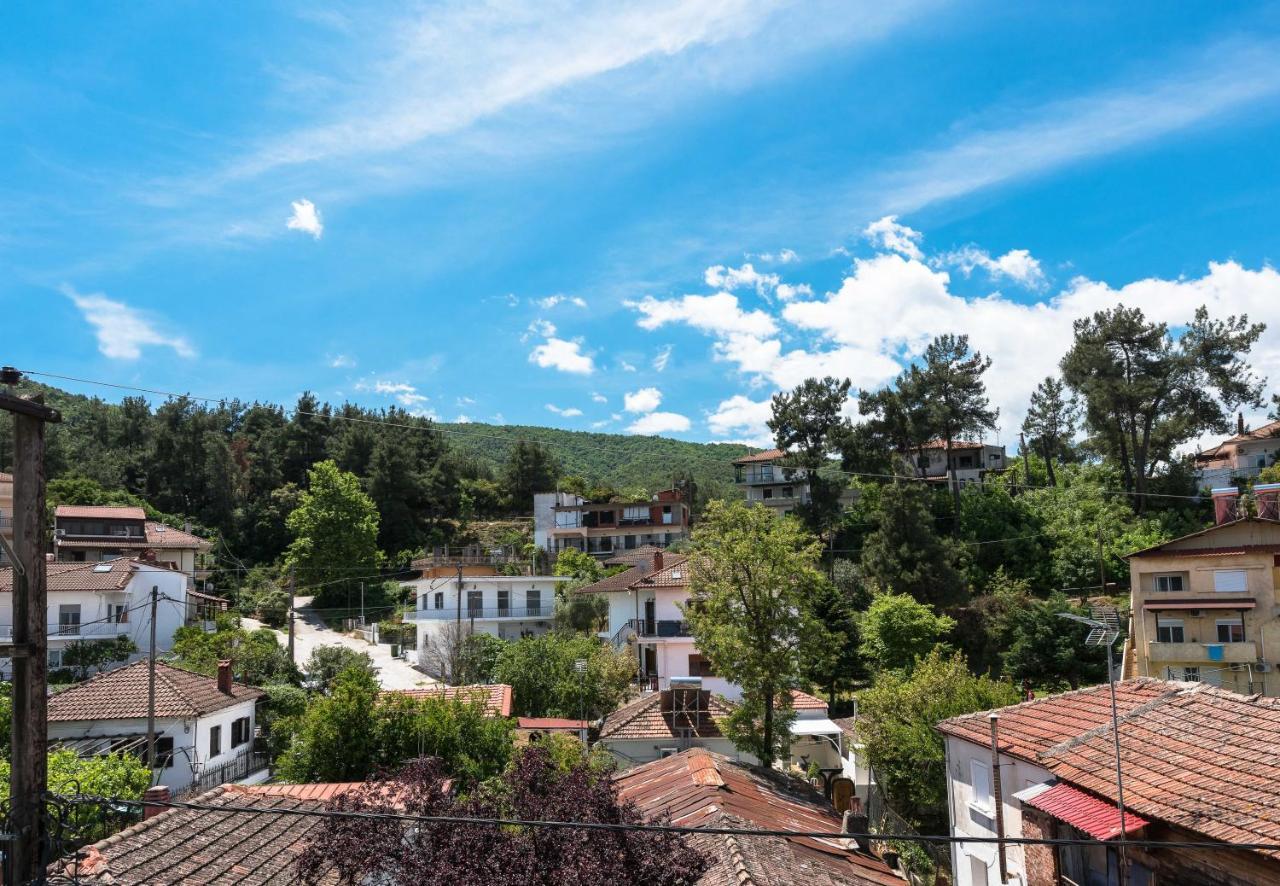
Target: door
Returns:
[[650, 661], [650, 621]]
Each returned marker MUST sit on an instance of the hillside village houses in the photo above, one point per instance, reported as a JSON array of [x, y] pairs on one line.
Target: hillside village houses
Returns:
[[84, 533], [602, 528], [971, 460], [1240, 457]]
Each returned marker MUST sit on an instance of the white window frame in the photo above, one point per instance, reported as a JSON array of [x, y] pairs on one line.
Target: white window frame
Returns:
[[1171, 624], [1222, 585], [980, 804], [1166, 576]]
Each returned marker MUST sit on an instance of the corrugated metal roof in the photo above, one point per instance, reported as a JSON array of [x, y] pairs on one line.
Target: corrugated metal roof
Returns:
[[1085, 812]]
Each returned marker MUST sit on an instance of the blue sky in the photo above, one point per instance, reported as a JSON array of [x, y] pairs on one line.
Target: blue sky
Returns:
[[627, 217]]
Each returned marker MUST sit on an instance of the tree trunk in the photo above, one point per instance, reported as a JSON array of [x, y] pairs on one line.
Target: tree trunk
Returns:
[[766, 759], [1048, 465], [954, 481]]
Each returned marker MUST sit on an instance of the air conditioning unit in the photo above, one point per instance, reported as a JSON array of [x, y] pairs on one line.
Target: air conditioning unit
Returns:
[[1264, 667], [59, 533]]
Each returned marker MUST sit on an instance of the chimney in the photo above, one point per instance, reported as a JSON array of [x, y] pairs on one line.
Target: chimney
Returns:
[[858, 825], [657, 561], [1226, 504], [1267, 497], [1239, 423], [157, 794], [224, 677]]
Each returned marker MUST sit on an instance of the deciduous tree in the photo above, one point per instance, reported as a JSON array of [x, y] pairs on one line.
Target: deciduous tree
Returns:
[[897, 630], [335, 532]]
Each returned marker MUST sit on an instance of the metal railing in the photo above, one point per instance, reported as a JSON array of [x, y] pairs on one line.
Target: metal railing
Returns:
[[648, 628], [544, 610], [237, 769]]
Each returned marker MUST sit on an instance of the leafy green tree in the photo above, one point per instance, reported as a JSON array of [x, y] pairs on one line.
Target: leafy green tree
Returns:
[[579, 565], [583, 613], [305, 438], [256, 657], [337, 738], [1048, 650], [1050, 423], [411, 482], [335, 531], [82, 655], [983, 630], [905, 554], [478, 659], [1146, 394], [810, 426], [751, 578], [544, 683], [281, 715], [530, 468], [472, 745], [897, 630], [327, 662], [897, 717]]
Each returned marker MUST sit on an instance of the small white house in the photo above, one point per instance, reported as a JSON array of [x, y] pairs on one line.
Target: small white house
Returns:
[[101, 601], [204, 725], [506, 606]]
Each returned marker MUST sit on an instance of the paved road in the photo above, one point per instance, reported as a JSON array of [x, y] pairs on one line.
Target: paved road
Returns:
[[310, 632]]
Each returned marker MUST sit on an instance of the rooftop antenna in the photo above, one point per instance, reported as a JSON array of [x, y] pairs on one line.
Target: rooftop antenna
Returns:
[[1104, 629]]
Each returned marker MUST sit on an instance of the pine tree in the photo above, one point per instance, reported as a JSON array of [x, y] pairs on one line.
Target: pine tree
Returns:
[[1050, 423], [905, 555]]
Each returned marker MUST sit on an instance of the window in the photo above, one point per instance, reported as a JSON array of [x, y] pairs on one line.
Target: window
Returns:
[[1167, 583], [504, 602], [55, 658], [788, 492], [69, 618], [666, 515], [700, 666], [118, 613], [979, 871], [533, 600], [1229, 581], [215, 741], [1230, 630], [240, 731], [475, 603], [1170, 630], [636, 514], [439, 601], [980, 781], [1191, 675], [767, 493], [164, 751], [966, 461]]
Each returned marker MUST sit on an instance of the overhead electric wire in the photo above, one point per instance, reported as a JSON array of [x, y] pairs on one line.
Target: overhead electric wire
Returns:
[[355, 815]]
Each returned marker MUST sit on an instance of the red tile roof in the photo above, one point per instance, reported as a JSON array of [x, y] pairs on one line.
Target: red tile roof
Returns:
[[497, 697], [1030, 728], [122, 694], [321, 793], [650, 717], [158, 536], [100, 512], [1262, 433], [766, 455], [956, 445], [673, 574], [697, 788], [1097, 818], [551, 723], [1195, 756], [803, 701], [642, 554], [105, 575]]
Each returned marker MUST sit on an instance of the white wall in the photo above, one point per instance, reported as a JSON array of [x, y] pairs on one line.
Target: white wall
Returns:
[[177, 777], [968, 817], [223, 718]]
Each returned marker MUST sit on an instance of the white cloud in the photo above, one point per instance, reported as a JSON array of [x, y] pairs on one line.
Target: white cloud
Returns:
[[659, 423], [1017, 265], [569, 412], [786, 292], [544, 328], [465, 401], [552, 300], [123, 331], [782, 257], [886, 233], [626, 367], [722, 277], [662, 358], [598, 397], [719, 313], [743, 418], [306, 218], [462, 420], [498, 419], [643, 400], [342, 361], [404, 393], [604, 423], [564, 355]]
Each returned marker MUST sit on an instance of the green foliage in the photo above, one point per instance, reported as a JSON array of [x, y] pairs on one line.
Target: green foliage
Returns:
[[83, 655], [115, 775], [335, 533], [809, 424], [579, 565], [6, 718], [585, 613], [897, 630], [568, 751], [473, 747], [904, 553], [1048, 650], [478, 659], [752, 577], [336, 739], [833, 661], [530, 468], [257, 658], [983, 628], [327, 662], [541, 673], [896, 720], [281, 714], [1050, 424]]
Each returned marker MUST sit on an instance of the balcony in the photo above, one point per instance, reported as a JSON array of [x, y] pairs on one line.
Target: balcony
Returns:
[[1228, 653], [495, 613], [658, 628]]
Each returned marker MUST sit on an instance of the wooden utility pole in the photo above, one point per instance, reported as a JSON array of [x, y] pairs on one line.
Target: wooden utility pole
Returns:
[[28, 772], [1026, 458], [292, 589], [151, 684]]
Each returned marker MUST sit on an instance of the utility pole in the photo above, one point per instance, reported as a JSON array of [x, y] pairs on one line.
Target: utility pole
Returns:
[[1026, 458], [151, 684], [28, 773], [291, 613], [361, 604]]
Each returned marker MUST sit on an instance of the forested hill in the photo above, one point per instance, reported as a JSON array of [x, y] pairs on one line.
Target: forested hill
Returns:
[[618, 460]]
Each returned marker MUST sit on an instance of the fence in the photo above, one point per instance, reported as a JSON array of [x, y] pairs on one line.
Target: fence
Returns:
[[237, 769], [882, 819]]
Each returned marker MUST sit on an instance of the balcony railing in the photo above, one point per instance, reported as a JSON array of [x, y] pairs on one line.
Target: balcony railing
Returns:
[[237, 769], [651, 628], [544, 610]]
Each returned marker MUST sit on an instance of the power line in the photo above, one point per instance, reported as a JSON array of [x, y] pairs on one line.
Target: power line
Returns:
[[659, 828]]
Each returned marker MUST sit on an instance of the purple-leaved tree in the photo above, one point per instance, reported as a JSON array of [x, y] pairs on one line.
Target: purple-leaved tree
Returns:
[[533, 789]]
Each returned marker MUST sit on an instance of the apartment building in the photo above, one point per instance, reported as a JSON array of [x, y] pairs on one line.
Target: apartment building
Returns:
[[1240, 457], [970, 461], [1205, 605], [765, 480], [85, 533], [602, 528]]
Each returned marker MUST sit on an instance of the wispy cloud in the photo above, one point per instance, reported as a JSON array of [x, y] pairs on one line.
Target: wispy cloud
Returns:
[[568, 412], [123, 331], [342, 361], [662, 358], [404, 393], [552, 300]]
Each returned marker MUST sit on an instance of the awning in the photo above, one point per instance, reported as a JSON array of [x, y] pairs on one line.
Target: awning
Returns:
[[1099, 819], [1215, 604], [815, 726]]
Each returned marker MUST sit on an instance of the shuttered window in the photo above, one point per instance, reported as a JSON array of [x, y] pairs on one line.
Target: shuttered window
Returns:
[[1229, 581]]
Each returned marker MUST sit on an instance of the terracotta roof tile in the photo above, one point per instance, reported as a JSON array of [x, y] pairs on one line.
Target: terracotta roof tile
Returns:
[[100, 512], [649, 716], [803, 701], [766, 455], [108, 575], [697, 788], [1029, 728], [620, 581], [122, 694], [158, 536], [551, 723], [642, 554], [497, 697]]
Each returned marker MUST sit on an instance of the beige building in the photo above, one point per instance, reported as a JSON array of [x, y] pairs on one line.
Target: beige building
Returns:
[[1205, 607]]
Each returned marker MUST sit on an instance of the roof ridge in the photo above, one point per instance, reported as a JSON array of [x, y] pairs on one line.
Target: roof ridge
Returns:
[[1023, 705], [635, 709], [740, 871], [1104, 728]]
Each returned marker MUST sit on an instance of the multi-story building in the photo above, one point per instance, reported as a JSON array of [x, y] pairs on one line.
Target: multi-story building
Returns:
[[1204, 605], [101, 601], [6, 512], [765, 480], [564, 520], [85, 533], [1241, 457], [970, 460], [506, 606]]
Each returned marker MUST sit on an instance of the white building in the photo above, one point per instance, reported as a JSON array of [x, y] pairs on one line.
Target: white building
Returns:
[[562, 520], [1024, 732], [506, 606], [1241, 457], [101, 601], [204, 725], [104, 532], [970, 460]]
